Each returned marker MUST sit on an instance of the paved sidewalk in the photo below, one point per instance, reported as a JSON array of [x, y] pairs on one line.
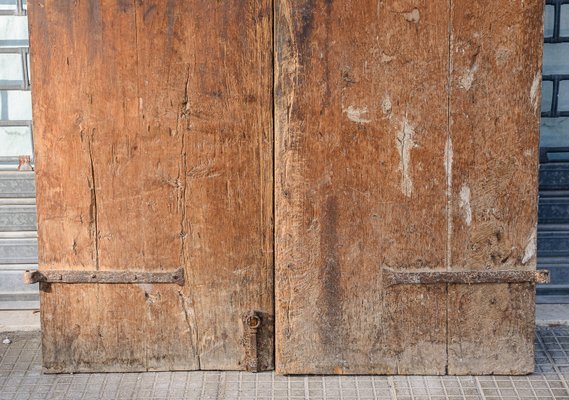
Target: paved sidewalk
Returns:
[[21, 378]]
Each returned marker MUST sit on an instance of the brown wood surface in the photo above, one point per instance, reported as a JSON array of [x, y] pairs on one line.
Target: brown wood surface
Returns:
[[361, 128], [494, 127], [153, 150], [406, 138]]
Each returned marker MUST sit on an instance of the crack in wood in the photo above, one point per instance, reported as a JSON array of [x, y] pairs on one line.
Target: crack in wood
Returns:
[[94, 210]]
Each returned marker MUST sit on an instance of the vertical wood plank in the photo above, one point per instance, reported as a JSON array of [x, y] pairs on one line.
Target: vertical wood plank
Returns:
[[494, 118], [229, 177], [361, 128], [153, 150]]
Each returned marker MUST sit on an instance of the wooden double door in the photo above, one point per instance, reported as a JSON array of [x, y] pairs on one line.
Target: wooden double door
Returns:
[[313, 186]]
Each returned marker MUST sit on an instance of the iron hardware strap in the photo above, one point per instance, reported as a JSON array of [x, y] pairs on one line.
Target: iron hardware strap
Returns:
[[54, 276], [391, 277], [251, 322]]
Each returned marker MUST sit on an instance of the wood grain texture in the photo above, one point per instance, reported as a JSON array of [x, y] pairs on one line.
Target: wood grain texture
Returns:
[[407, 137], [361, 129], [494, 123], [153, 150]]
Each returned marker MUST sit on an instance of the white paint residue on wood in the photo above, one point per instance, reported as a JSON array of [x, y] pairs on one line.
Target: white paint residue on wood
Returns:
[[385, 58], [386, 105], [358, 115], [448, 161], [405, 143], [468, 78], [534, 91], [464, 204], [448, 171], [413, 16], [503, 54], [531, 247]]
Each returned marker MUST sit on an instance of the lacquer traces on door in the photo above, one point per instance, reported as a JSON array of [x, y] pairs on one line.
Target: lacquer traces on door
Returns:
[[154, 151]]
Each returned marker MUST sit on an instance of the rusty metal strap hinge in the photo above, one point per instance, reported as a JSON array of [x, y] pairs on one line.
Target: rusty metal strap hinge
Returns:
[[391, 277], [251, 323], [54, 276]]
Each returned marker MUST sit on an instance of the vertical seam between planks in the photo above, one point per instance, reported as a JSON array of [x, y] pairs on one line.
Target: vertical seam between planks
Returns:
[[448, 149], [134, 7], [448, 161], [96, 238], [274, 188], [183, 233], [182, 182]]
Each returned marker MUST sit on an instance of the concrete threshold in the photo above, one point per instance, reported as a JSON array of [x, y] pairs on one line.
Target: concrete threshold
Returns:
[[552, 314], [19, 320]]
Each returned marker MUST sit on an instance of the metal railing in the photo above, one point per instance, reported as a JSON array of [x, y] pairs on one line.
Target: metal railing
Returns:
[[23, 85], [556, 37], [554, 112], [556, 79]]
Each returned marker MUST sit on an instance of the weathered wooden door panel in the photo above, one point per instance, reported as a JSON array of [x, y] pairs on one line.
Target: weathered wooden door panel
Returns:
[[361, 126], [494, 129], [406, 141], [406, 138], [154, 150]]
